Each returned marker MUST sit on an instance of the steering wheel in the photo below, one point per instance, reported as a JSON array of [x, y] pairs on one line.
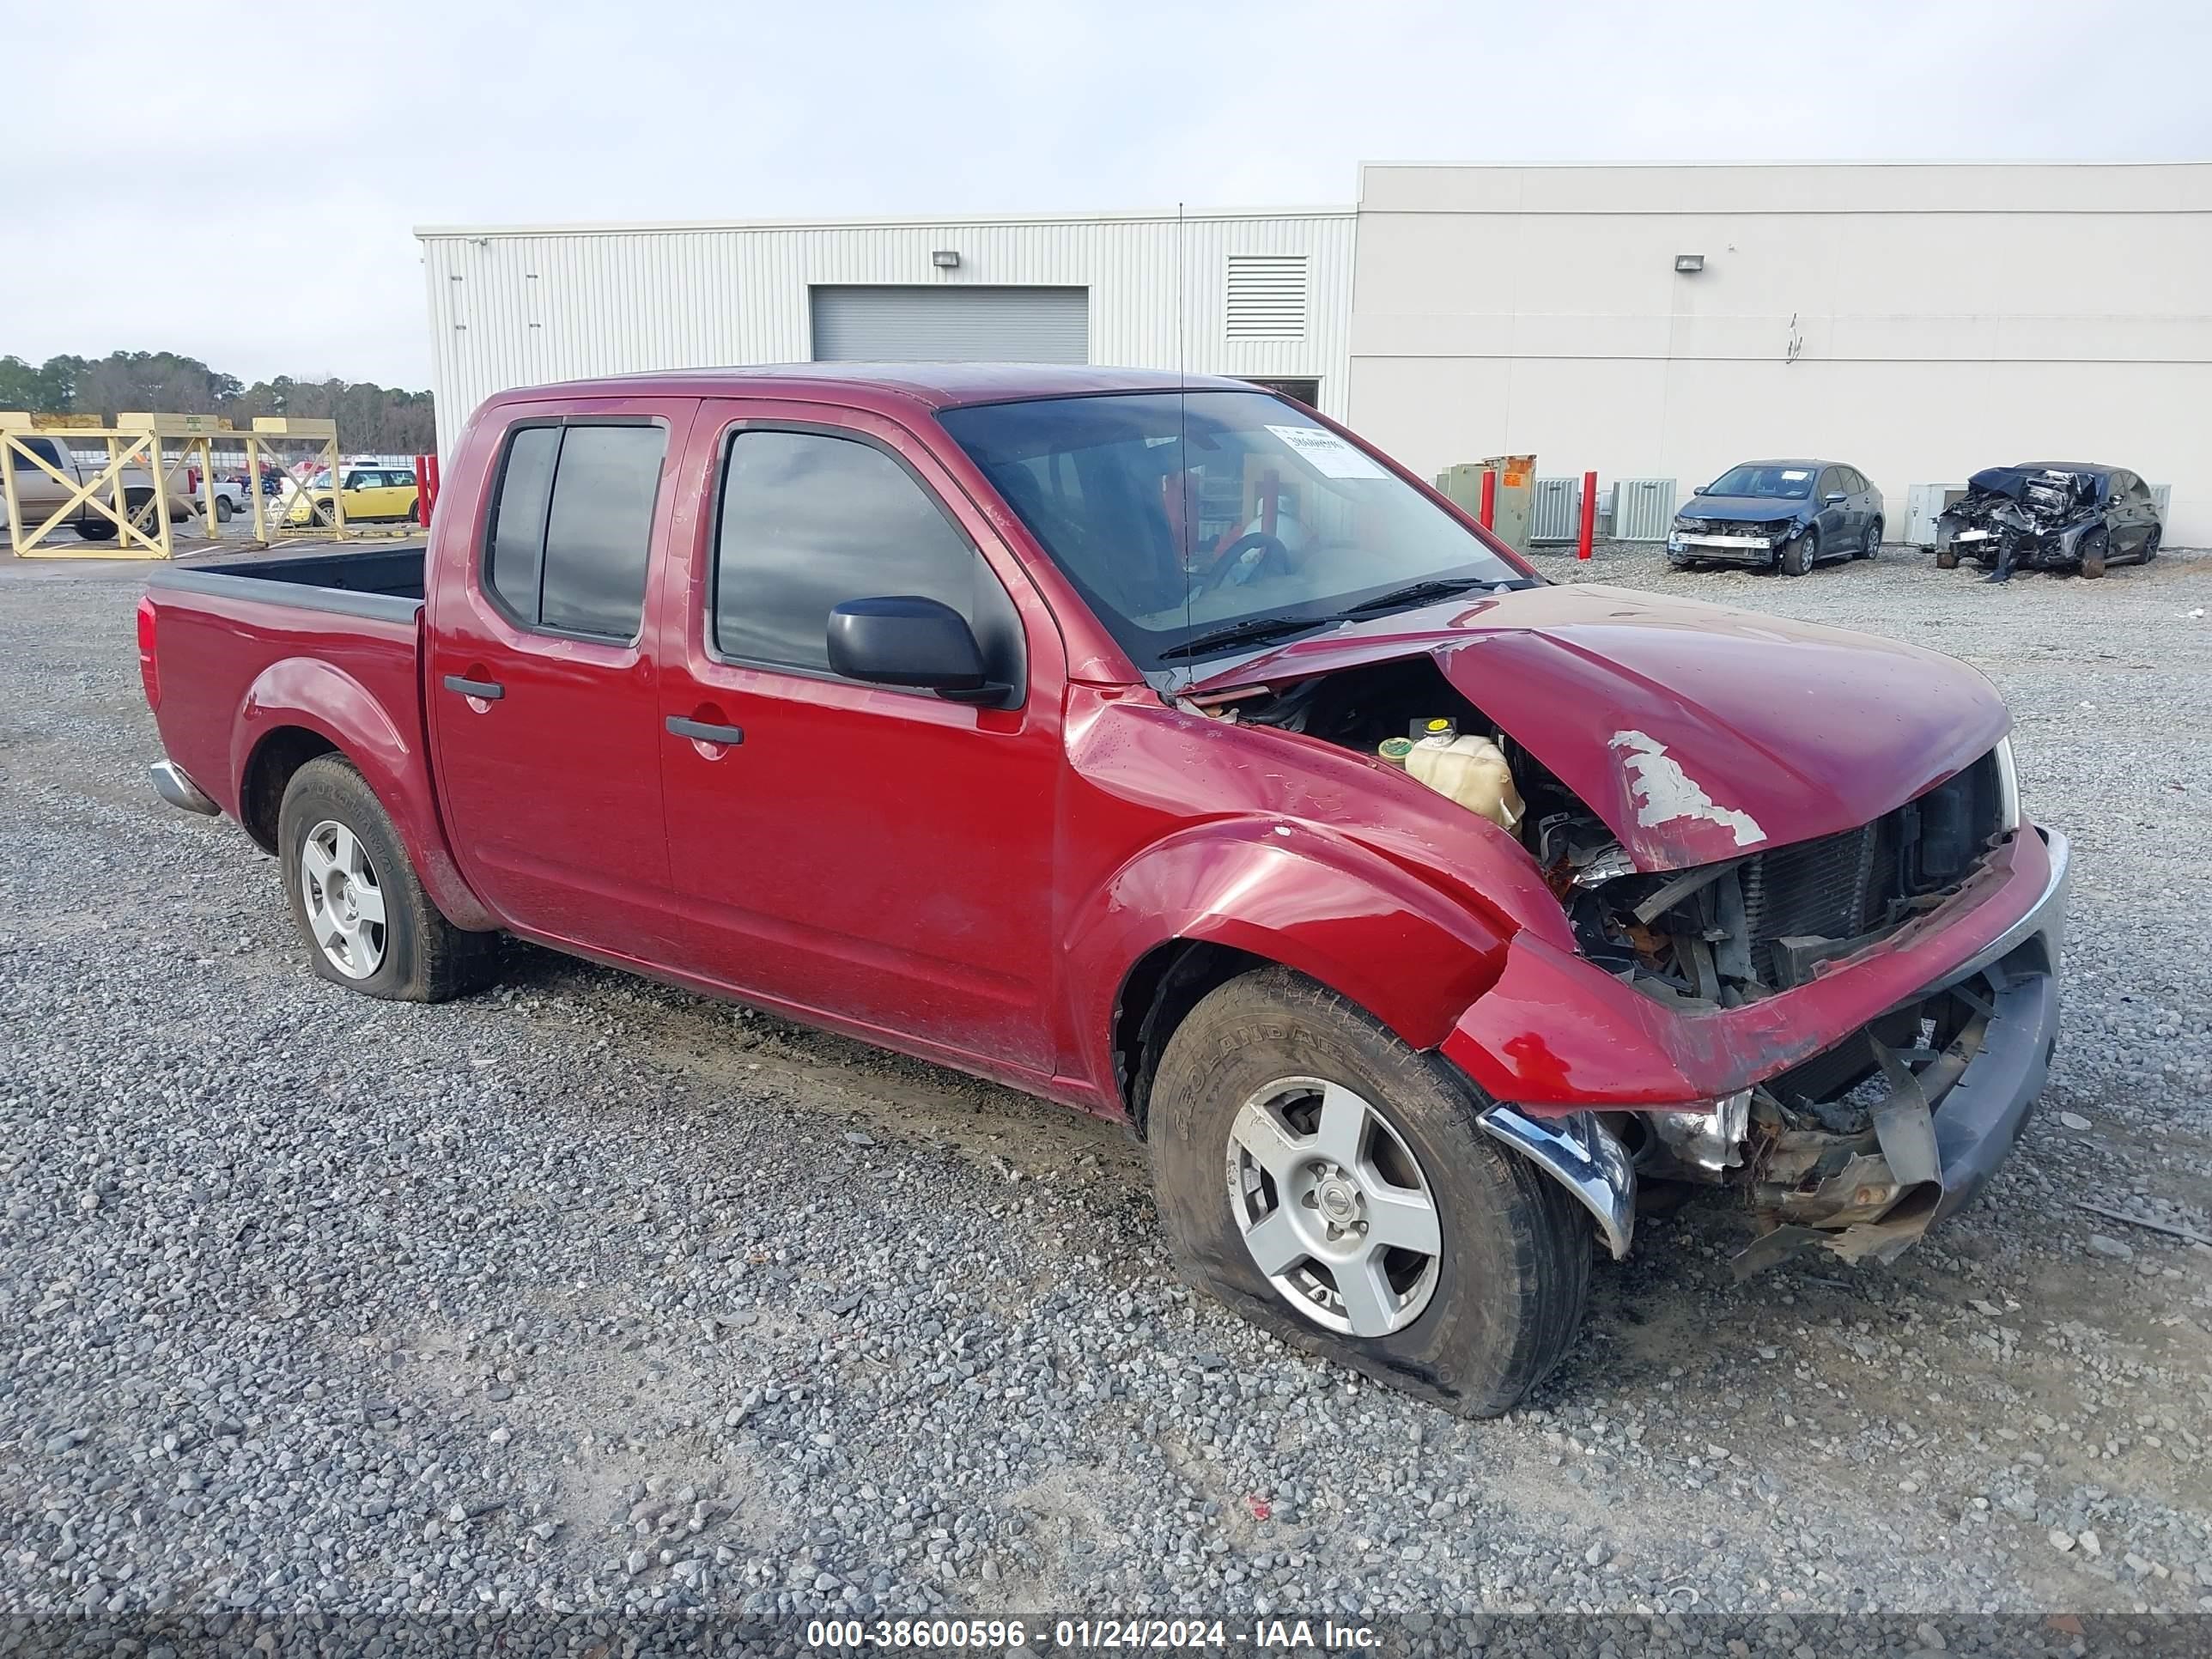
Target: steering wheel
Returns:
[[1244, 560]]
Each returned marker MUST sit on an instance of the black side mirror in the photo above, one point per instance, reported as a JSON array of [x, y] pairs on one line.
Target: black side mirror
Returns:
[[905, 640]]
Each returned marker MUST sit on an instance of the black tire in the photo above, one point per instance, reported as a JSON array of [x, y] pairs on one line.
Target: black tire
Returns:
[[224, 510], [320, 514], [2151, 539], [94, 528], [1512, 1278], [2091, 547], [415, 511], [1869, 545], [1947, 558], [1799, 552], [425, 958]]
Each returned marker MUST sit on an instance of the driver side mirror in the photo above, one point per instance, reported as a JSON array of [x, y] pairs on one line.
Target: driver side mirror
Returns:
[[905, 640]]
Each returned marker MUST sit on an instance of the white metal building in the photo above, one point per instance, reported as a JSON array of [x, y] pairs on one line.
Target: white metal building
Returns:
[[1917, 320], [1262, 296]]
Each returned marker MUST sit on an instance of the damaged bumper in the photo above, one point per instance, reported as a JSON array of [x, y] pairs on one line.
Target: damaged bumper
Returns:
[[1944, 1035], [1747, 549]]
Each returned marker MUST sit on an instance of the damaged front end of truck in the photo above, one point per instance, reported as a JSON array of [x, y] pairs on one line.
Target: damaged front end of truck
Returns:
[[1814, 950]]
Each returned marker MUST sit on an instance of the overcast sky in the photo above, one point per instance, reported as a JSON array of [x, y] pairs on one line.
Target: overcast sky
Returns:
[[325, 134]]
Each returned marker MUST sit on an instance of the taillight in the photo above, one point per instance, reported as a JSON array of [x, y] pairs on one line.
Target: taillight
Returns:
[[147, 669]]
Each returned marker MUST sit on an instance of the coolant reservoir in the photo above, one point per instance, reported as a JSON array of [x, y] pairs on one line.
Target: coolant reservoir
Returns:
[[1473, 772]]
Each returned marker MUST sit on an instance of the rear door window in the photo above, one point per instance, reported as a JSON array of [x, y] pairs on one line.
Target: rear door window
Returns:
[[599, 531], [571, 528]]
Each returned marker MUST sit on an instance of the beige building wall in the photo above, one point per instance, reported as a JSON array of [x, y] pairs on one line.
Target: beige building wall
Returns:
[[1919, 321]]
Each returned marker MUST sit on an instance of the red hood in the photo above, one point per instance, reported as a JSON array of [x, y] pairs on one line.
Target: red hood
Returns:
[[1695, 731]]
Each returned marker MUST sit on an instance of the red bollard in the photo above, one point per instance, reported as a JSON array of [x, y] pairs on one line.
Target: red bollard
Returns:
[[1488, 517], [1588, 533]]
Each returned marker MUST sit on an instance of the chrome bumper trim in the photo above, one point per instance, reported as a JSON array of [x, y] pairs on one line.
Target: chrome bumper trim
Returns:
[[1579, 1152], [170, 784]]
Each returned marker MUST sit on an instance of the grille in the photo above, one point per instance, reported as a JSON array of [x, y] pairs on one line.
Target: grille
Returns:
[[1856, 881]]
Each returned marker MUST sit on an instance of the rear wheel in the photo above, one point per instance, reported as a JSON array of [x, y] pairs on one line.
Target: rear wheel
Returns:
[[224, 510], [1799, 553], [1871, 543], [1329, 1182], [2150, 544], [2092, 547], [356, 900]]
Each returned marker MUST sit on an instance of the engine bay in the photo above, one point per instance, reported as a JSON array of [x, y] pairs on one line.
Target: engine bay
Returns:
[[1717, 935]]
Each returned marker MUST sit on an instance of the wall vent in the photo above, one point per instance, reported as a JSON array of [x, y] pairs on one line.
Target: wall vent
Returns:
[[1266, 296]]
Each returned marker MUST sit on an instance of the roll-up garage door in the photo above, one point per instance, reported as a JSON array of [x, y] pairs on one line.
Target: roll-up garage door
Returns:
[[952, 324]]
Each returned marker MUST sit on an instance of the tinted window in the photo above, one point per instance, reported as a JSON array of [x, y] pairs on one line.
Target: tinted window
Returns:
[[39, 446], [809, 522], [1830, 481], [1853, 480], [600, 529], [515, 549]]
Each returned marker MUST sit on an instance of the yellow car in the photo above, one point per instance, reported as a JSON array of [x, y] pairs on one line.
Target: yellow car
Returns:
[[366, 494]]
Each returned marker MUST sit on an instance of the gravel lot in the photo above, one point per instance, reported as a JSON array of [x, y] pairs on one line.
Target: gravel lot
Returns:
[[589, 1294]]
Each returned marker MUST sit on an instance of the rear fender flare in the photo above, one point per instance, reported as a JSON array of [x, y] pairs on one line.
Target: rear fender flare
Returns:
[[1289, 893], [319, 696]]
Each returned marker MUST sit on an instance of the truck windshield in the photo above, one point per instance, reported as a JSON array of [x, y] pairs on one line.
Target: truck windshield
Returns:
[[1179, 517]]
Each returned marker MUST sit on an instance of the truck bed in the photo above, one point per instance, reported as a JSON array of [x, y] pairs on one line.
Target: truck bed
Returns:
[[381, 582], [324, 642]]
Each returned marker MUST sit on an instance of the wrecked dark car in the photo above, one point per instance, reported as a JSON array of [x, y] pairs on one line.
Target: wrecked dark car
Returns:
[[2049, 515]]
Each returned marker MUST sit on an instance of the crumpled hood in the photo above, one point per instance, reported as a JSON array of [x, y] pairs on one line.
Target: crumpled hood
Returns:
[[1696, 732], [1741, 509]]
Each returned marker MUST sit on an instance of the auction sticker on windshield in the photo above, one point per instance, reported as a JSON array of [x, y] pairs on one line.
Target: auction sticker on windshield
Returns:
[[1327, 453]]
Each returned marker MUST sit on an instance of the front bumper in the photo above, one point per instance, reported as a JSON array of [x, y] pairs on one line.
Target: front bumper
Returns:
[[1733, 549], [1868, 1195]]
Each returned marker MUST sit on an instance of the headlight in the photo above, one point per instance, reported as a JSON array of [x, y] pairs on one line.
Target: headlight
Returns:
[[2008, 787]]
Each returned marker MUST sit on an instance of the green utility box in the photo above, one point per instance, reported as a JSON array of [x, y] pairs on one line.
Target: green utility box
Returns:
[[1513, 494], [1517, 496]]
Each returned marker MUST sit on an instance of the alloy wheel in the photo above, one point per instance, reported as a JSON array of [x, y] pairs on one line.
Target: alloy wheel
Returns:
[[1334, 1207], [345, 904]]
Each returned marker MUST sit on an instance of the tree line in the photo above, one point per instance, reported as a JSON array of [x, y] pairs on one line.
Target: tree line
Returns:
[[382, 420]]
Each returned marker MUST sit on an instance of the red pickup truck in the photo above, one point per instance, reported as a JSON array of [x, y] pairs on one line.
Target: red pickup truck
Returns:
[[1165, 750]]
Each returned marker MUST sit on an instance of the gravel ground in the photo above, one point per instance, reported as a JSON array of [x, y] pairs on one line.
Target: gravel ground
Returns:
[[588, 1294]]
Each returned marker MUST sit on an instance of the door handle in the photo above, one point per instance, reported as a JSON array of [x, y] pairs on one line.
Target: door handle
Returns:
[[701, 732], [487, 690]]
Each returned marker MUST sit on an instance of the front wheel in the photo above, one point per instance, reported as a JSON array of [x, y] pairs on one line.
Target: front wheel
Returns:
[[1798, 553], [355, 898], [2093, 546], [1331, 1184], [1947, 558]]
